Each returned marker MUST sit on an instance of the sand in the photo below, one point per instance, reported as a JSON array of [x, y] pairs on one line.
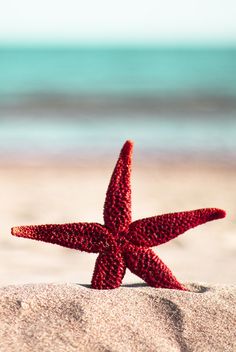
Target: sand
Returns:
[[70, 317]]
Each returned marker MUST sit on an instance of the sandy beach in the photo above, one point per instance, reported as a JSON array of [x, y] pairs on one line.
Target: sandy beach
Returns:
[[46, 303]]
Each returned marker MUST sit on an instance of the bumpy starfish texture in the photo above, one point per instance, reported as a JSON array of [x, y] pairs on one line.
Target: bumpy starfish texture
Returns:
[[120, 242]]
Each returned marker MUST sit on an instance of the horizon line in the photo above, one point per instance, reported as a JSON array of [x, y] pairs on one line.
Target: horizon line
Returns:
[[120, 43]]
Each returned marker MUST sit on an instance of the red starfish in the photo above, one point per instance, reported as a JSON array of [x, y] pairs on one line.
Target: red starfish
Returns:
[[120, 242]]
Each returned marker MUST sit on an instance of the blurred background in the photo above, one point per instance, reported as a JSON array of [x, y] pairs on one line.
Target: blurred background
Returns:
[[79, 78]]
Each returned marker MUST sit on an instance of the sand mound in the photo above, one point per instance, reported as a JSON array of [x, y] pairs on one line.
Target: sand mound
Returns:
[[70, 317]]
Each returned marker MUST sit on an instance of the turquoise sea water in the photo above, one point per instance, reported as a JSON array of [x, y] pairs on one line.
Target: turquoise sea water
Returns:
[[36, 84], [75, 70]]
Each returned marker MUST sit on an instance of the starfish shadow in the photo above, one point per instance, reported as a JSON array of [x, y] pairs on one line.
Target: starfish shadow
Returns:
[[140, 284]]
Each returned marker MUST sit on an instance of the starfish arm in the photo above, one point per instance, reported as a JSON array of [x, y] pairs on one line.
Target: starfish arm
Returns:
[[117, 207], [109, 271], [89, 237], [160, 229], [144, 263]]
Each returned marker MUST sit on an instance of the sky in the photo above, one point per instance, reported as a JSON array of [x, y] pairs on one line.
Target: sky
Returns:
[[164, 21]]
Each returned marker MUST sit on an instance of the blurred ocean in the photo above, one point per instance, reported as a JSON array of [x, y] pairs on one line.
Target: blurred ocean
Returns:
[[67, 101], [117, 71]]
